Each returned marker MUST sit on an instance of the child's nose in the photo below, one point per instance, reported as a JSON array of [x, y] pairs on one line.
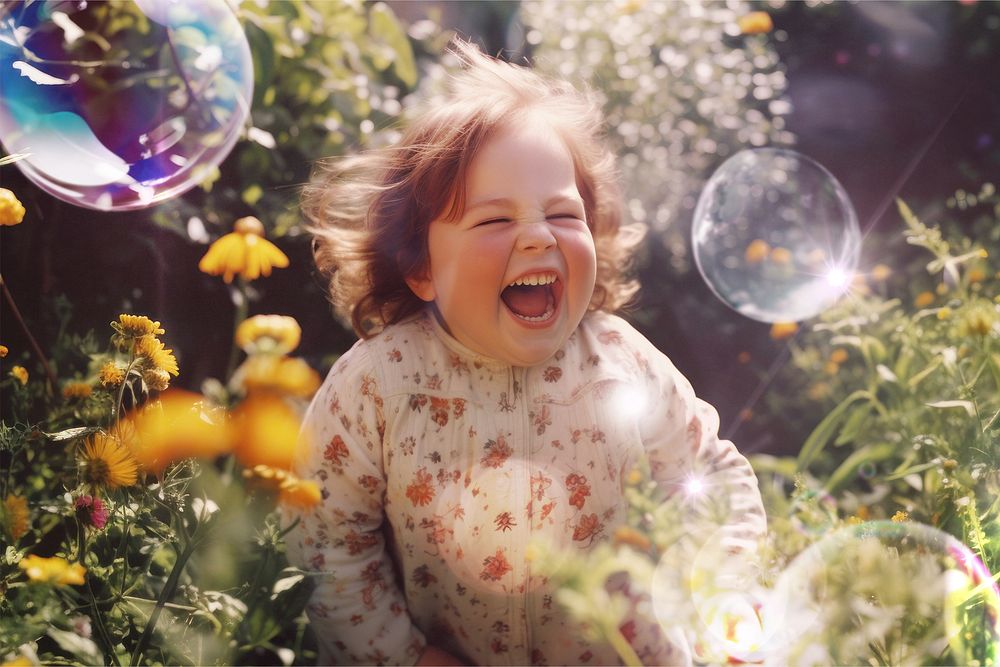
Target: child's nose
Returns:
[[535, 236]]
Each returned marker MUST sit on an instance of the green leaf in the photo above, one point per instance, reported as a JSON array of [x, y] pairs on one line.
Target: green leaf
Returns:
[[784, 465], [868, 454], [853, 424], [968, 406], [83, 648], [919, 377], [386, 28], [824, 431]]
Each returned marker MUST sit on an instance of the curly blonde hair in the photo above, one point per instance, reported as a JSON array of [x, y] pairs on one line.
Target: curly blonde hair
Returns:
[[370, 213]]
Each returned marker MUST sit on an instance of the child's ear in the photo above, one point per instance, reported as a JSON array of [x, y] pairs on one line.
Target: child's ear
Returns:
[[422, 286]]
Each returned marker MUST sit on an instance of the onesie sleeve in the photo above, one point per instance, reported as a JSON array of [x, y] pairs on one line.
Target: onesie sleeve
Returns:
[[713, 483], [357, 610]]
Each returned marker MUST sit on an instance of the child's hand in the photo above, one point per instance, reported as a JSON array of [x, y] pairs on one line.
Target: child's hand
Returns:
[[432, 655]]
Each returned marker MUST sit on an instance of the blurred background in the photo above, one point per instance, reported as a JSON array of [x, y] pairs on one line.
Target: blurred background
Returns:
[[895, 99]]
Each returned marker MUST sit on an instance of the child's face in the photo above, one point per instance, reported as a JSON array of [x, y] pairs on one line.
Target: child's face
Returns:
[[524, 221]]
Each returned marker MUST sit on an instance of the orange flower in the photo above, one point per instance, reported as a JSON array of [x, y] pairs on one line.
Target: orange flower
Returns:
[[77, 390], [755, 23], [781, 256], [11, 209], [53, 570], [284, 375], [756, 251], [19, 373], [783, 330], [923, 299], [244, 251], [881, 273], [178, 426], [16, 511], [300, 493], [266, 430], [421, 490]]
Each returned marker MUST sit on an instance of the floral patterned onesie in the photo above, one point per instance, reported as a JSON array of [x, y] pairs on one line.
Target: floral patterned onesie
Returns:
[[438, 467]]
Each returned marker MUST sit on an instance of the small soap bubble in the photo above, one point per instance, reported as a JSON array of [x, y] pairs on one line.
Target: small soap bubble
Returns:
[[884, 593], [775, 235], [867, 470], [122, 104]]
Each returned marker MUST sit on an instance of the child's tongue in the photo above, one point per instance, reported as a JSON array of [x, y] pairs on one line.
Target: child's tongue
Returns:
[[527, 300]]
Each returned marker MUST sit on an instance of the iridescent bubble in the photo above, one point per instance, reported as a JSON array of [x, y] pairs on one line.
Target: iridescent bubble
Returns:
[[867, 470], [122, 104], [884, 593], [775, 235]]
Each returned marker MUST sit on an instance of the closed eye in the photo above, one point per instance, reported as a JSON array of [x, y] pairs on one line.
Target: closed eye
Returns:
[[491, 221]]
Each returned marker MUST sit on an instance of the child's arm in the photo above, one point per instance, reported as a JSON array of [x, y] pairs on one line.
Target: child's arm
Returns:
[[357, 611], [721, 499]]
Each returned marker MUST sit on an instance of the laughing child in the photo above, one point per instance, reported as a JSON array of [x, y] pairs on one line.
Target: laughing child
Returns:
[[492, 398]]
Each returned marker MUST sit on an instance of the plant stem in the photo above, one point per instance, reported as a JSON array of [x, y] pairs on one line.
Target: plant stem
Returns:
[[161, 600], [622, 647], [242, 309], [52, 381]]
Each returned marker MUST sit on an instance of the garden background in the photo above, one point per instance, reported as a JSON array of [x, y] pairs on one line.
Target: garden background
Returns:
[[848, 417]]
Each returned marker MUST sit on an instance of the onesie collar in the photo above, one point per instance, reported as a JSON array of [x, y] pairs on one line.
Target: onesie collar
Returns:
[[458, 348]]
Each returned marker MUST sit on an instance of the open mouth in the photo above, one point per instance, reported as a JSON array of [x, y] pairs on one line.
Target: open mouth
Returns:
[[533, 298]]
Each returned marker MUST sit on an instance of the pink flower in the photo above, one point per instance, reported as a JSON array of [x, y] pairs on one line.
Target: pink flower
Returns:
[[91, 511]]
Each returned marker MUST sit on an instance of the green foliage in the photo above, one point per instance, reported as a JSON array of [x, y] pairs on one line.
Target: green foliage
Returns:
[[187, 567], [328, 75]]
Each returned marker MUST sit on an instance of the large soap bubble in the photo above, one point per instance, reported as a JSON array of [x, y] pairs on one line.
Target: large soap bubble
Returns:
[[884, 593], [122, 104], [775, 235]]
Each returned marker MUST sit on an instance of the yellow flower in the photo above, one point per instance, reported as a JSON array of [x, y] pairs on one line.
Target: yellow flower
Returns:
[[285, 375], [19, 373], [151, 349], [755, 23], [900, 516], [923, 299], [20, 661], [178, 426], [112, 374], [267, 430], [301, 493], [243, 251], [944, 313], [3, 351], [131, 327], [11, 209], [274, 334], [978, 320], [16, 511], [77, 390], [107, 462], [756, 251], [783, 330], [54, 570], [781, 256]]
